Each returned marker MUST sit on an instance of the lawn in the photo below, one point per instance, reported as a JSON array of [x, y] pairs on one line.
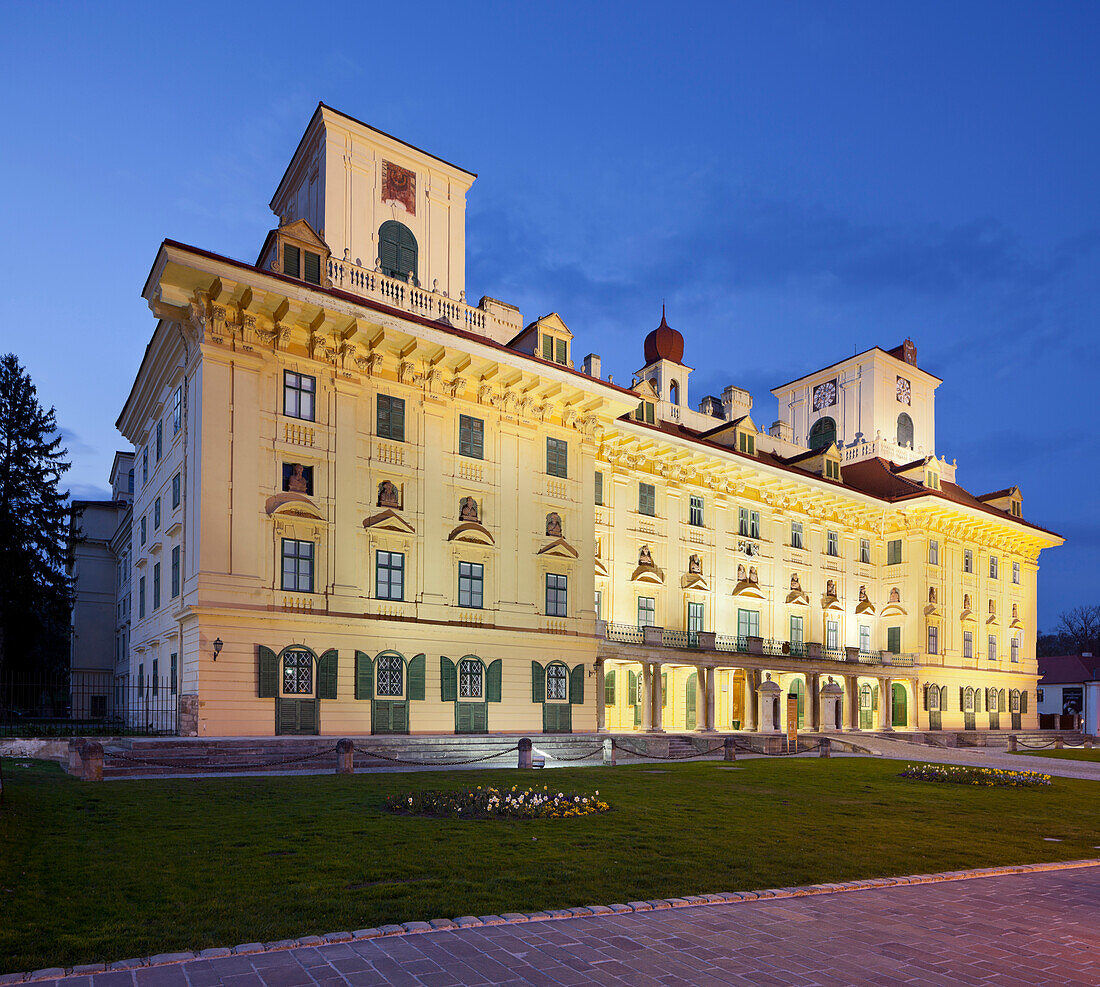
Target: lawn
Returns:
[[1073, 753], [93, 872]]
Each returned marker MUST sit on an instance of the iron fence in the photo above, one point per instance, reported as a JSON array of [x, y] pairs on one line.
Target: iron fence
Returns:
[[83, 704]]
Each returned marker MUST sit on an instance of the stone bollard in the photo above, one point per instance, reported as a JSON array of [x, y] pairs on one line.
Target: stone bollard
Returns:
[[1012, 743], [345, 757], [1088, 743], [826, 747], [91, 756], [1059, 744], [729, 749], [76, 762], [609, 752], [525, 760]]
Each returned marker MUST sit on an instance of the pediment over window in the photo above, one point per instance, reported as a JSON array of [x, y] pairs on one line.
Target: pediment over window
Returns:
[[893, 609], [559, 547], [389, 520], [471, 531], [601, 568], [932, 610], [749, 589], [294, 505], [991, 620], [832, 603], [693, 580], [865, 606], [647, 573], [967, 615], [798, 597], [1016, 624]]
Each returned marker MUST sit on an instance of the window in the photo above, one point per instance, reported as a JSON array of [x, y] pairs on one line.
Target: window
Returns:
[[156, 514], [1014, 648], [557, 457], [144, 465], [141, 597], [391, 673], [647, 611], [389, 575], [471, 679], [823, 434], [1016, 573], [748, 523], [177, 410], [832, 634], [696, 512], [177, 481], [968, 560], [297, 565], [142, 526], [130, 482], [397, 250], [933, 552], [931, 480], [160, 439], [695, 618], [796, 630], [644, 412], [905, 430], [865, 551], [311, 267], [599, 604], [992, 647], [968, 644], [471, 437], [893, 552], [746, 443], [833, 544], [933, 639], [156, 586], [599, 489], [557, 681], [391, 418], [893, 640], [674, 392], [864, 638], [748, 623], [832, 470], [561, 351], [175, 571], [292, 260], [141, 678], [471, 578], [556, 595], [796, 534], [297, 673], [647, 499], [174, 662], [1039, 695], [993, 567], [299, 396], [155, 677]]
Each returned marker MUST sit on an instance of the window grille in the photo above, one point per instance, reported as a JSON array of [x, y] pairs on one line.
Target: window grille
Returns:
[[297, 673], [471, 679]]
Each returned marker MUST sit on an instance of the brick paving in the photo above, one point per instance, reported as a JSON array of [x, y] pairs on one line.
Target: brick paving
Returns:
[[1035, 928]]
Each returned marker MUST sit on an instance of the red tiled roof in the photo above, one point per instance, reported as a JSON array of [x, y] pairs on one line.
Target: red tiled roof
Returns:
[[996, 494], [1067, 669]]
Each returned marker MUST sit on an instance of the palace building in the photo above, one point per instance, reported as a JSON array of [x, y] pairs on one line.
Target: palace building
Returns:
[[363, 504]]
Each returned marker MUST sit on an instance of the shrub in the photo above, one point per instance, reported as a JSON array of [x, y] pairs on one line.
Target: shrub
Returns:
[[962, 775], [493, 803]]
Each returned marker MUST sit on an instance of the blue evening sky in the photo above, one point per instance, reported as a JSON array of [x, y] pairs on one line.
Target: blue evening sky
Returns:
[[795, 180]]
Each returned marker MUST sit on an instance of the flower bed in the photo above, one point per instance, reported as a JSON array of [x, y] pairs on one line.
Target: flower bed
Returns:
[[494, 803], [962, 775]]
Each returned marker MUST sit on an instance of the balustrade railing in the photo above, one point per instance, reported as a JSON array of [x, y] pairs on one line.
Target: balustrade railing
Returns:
[[626, 633], [680, 639], [731, 642]]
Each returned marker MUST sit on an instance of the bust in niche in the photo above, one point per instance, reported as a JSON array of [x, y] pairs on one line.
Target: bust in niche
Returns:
[[863, 594], [931, 594], [1015, 614], [796, 583], [387, 495], [992, 607], [740, 573], [753, 577], [467, 509], [895, 595], [966, 601], [298, 479], [695, 565], [830, 587], [644, 556], [553, 524]]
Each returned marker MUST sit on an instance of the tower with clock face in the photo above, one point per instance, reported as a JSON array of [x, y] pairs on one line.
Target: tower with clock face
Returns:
[[876, 403]]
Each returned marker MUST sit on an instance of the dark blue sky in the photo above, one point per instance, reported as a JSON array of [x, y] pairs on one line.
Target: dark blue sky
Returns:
[[795, 180]]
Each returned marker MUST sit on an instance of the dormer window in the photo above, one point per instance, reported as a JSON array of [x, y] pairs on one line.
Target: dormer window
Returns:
[[931, 480], [832, 470], [555, 349], [746, 443], [644, 412], [299, 263]]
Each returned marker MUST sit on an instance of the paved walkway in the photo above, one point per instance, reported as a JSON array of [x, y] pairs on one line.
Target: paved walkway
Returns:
[[1036, 928]]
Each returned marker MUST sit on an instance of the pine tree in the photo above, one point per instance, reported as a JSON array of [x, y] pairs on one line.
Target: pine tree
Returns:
[[35, 590]]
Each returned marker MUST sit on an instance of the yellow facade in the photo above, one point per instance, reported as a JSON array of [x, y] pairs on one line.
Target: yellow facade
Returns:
[[399, 512]]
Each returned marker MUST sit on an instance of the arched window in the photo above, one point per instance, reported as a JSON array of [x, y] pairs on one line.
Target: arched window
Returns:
[[297, 673], [397, 254], [905, 430], [471, 679], [674, 392], [557, 681], [609, 687], [390, 673], [823, 434]]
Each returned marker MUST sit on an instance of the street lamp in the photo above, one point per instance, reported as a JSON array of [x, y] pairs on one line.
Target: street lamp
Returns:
[[217, 647]]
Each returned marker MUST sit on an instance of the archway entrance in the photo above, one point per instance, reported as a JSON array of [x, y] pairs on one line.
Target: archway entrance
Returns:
[[899, 711], [867, 704]]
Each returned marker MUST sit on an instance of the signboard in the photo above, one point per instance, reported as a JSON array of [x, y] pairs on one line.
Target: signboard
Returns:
[[792, 722]]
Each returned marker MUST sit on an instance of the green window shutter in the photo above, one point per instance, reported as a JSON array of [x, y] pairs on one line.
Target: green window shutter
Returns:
[[326, 675], [649, 413], [290, 260], [664, 689], [576, 685], [1001, 705], [962, 698], [924, 696], [562, 354], [397, 419], [418, 669], [631, 688], [307, 715], [609, 688], [492, 681], [874, 697], [464, 720], [1023, 701], [448, 680], [364, 676], [538, 682], [287, 715], [312, 267], [267, 678], [548, 347]]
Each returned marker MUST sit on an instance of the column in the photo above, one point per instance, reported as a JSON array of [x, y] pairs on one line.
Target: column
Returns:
[[601, 712], [813, 680], [701, 720], [886, 703], [912, 706], [658, 719], [711, 722], [646, 697], [851, 689], [751, 676]]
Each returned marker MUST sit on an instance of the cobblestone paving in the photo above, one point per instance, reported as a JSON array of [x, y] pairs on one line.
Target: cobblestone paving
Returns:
[[1023, 929]]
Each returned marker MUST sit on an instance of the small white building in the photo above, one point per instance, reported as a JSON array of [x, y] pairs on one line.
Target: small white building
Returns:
[[1069, 686]]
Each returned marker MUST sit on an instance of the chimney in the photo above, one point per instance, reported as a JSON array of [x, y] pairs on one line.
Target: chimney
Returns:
[[736, 403], [592, 365]]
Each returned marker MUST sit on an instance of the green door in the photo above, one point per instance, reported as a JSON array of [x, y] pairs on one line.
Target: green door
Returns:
[[633, 697], [557, 718], [866, 708], [471, 717], [690, 717], [899, 714], [390, 716], [296, 717], [799, 690]]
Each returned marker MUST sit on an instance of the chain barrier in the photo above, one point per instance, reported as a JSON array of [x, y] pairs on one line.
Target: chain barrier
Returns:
[[666, 757], [1034, 747], [746, 749], [434, 764], [153, 762], [559, 757]]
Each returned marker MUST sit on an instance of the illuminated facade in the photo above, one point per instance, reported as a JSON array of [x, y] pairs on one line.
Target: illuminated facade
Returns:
[[400, 512]]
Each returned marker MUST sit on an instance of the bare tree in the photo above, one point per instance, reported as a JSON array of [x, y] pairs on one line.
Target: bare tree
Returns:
[[1080, 627]]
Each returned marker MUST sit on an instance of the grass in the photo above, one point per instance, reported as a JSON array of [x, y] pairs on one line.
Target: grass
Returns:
[[94, 872], [1072, 753]]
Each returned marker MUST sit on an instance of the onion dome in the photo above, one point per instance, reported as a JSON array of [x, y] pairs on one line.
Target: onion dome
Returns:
[[664, 343]]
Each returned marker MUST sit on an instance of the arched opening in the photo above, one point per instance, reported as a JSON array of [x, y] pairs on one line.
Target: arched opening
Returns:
[[798, 689], [296, 703], [905, 430], [867, 697], [397, 251], [899, 714], [674, 392], [823, 434], [690, 706], [390, 710]]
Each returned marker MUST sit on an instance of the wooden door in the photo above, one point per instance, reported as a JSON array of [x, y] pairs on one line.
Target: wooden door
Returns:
[[557, 718], [390, 716], [296, 717]]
